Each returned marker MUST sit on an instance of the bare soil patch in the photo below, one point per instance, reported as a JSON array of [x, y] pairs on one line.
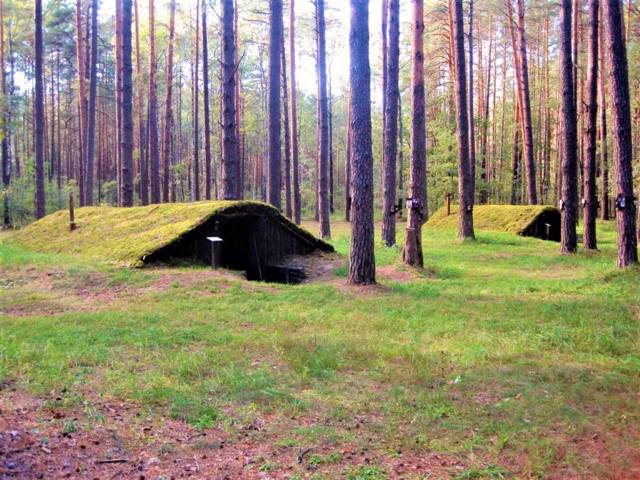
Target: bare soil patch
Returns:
[[38, 440]]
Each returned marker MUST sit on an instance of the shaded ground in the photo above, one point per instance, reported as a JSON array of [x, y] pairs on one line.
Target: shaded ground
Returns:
[[502, 359]]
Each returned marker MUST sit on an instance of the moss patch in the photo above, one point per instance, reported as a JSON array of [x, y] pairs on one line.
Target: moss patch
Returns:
[[499, 218], [127, 235]]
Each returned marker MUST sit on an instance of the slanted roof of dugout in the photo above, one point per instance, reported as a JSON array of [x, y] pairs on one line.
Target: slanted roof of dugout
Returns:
[[129, 235], [525, 220]]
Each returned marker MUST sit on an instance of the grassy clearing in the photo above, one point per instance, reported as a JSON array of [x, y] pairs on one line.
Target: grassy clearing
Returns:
[[506, 356]]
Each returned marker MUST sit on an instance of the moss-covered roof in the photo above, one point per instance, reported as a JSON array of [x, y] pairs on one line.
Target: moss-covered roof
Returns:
[[127, 235], [501, 218]]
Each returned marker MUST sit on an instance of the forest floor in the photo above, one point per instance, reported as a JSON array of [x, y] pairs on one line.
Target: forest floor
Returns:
[[503, 359]]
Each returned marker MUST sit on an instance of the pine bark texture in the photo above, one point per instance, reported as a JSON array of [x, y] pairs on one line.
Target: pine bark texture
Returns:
[[4, 122], [294, 115], [529, 158], [91, 113], [416, 210], [323, 124], [207, 113], [168, 109], [568, 144], [621, 132], [195, 182], [39, 112], [471, 104], [361, 256], [82, 100], [127, 107], [604, 148], [589, 206], [274, 178], [390, 153], [230, 159], [465, 192], [154, 153], [287, 134]]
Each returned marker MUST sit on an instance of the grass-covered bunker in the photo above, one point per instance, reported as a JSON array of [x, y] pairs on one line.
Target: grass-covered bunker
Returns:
[[256, 237], [538, 221]]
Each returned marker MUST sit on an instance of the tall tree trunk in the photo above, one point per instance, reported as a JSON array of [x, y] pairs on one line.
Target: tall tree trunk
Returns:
[[287, 135], [516, 156], [465, 192], [502, 116], [470, 108], [331, 153], [590, 207], [168, 111], [484, 137], [118, 55], [622, 140], [417, 202], [230, 162], [347, 165], [384, 31], [274, 177], [142, 135], [4, 122], [239, 109], [39, 111], [294, 114], [152, 121], [362, 270], [12, 89], [529, 158], [207, 114], [569, 137], [93, 88], [127, 107], [195, 185], [546, 178], [400, 154], [323, 124], [604, 150], [82, 99], [392, 95]]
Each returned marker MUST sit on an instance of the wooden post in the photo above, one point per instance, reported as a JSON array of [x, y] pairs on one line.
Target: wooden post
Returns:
[[448, 204], [72, 218]]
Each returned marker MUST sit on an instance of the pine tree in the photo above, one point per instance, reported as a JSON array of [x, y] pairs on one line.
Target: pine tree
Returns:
[[294, 115], [39, 111], [127, 107], [569, 140], [274, 177], [168, 115], [392, 94], [465, 192], [323, 124], [230, 160], [590, 208], [622, 133], [412, 253], [362, 269]]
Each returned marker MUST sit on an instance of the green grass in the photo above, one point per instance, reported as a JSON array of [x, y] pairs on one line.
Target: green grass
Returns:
[[504, 356]]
